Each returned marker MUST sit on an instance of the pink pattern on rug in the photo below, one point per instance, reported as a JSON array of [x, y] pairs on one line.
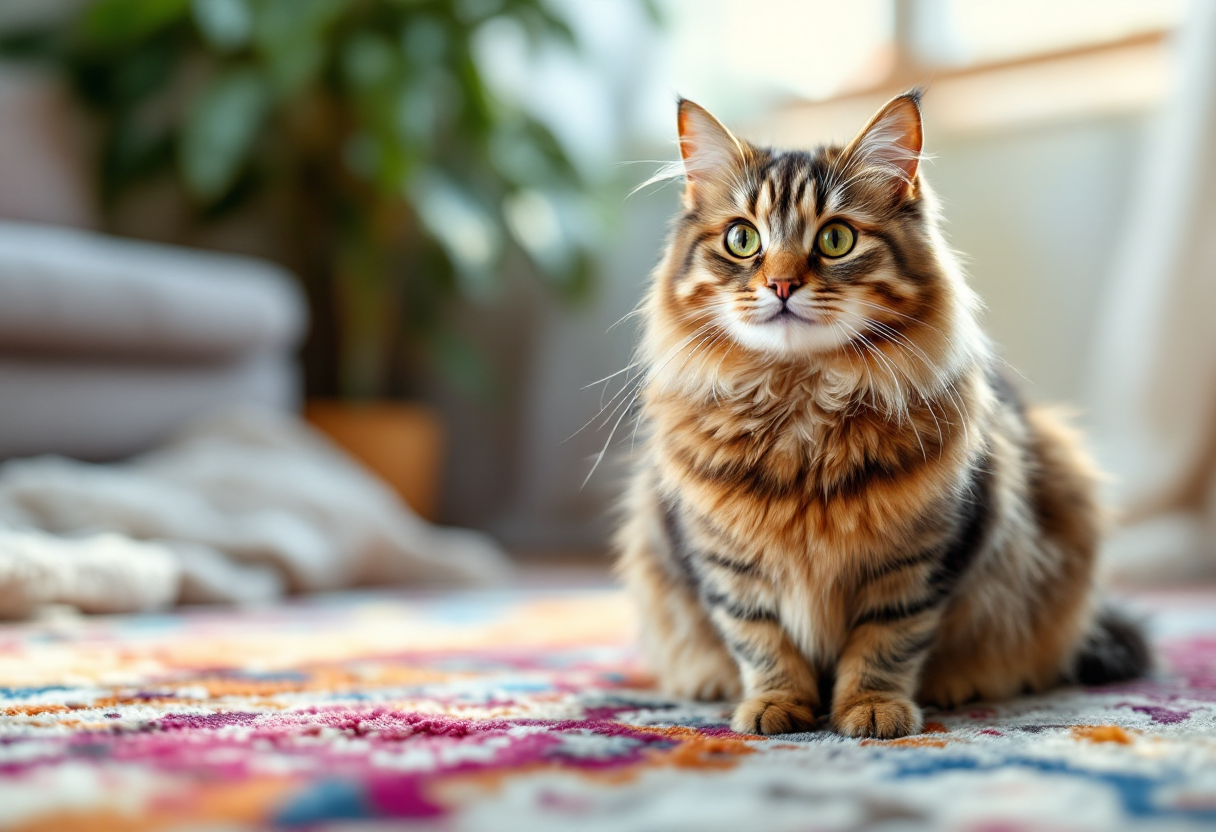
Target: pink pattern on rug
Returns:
[[516, 711]]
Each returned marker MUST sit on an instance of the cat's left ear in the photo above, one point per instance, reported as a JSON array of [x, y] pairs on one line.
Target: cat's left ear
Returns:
[[892, 141], [710, 150]]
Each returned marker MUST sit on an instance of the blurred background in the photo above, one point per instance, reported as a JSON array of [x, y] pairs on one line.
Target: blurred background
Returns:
[[436, 195]]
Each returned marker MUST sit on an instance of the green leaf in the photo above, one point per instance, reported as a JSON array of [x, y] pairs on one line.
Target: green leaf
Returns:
[[31, 44], [471, 239], [284, 22], [291, 69], [425, 41], [367, 59], [225, 24], [543, 26], [115, 85], [132, 152], [534, 222], [293, 37], [117, 23], [220, 130], [655, 13]]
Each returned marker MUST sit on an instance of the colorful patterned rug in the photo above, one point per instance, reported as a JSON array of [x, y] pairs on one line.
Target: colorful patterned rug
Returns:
[[525, 710]]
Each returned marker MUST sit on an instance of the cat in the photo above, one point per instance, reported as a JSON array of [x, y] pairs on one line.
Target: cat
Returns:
[[841, 509]]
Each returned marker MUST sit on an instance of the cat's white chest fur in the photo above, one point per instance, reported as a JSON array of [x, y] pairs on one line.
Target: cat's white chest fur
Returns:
[[814, 617]]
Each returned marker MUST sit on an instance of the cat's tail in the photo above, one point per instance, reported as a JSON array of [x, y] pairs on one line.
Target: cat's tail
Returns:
[[1114, 650]]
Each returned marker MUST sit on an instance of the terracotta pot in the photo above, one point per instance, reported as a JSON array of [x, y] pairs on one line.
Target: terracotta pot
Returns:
[[401, 443]]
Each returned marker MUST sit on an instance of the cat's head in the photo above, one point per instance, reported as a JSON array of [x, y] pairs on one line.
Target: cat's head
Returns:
[[811, 257]]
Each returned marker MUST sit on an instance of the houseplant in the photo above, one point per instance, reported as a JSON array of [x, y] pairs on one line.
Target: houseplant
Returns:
[[364, 138]]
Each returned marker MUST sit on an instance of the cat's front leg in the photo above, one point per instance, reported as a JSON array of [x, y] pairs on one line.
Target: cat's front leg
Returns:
[[780, 691], [682, 647], [879, 669]]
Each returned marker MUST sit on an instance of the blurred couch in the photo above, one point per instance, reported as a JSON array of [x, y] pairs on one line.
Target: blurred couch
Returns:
[[108, 345]]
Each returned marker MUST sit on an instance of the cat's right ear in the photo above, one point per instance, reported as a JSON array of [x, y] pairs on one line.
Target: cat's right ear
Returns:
[[892, 141], [710, 150]]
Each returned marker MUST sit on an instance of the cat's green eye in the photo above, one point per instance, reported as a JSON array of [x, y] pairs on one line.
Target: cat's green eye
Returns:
[[836, 240], [742, 240]]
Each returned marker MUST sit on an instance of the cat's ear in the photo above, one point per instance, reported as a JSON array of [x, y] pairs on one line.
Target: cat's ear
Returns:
[[892, 141], [708, 148]]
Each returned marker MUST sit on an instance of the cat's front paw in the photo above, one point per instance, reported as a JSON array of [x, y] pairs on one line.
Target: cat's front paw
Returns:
[[883, 716], [773, 714]]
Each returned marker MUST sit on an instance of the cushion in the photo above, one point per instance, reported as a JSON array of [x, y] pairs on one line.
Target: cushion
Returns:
[[109, 410], [72, 293]]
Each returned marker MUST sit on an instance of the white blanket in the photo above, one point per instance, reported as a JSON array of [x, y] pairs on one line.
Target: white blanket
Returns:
[[242, 506]]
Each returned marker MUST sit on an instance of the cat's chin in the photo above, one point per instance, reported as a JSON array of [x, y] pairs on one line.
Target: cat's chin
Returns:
[[786, 336]]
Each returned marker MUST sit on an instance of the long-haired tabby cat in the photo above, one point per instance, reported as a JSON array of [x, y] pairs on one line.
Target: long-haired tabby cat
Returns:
[[841, 507]]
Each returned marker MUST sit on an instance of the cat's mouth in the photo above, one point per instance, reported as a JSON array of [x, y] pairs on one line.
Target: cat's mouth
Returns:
[[786, 315], [786, 331]]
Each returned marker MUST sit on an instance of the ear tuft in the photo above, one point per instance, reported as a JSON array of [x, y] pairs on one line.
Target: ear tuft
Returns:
[[708, 148], [893, 139]]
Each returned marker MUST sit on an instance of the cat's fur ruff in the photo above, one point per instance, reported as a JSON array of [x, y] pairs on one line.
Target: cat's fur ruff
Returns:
[[856, 514]]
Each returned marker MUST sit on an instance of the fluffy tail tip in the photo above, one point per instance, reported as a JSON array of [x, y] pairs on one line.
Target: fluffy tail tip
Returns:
[[1114, 650]]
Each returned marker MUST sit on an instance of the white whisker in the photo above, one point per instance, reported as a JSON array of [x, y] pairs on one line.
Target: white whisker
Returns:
[[645, 376]]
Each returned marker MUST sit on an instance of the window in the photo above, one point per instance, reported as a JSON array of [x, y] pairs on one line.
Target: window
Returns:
[[760, 51], [959, 32], [731, 51]]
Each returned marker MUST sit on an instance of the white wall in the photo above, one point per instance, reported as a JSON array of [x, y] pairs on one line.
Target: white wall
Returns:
[[1036, 214]]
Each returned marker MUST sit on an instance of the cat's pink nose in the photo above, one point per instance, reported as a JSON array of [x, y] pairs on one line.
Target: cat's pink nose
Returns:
[[783, 288]]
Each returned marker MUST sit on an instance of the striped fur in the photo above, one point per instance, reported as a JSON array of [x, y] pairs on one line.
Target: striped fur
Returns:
[[841, 508]]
